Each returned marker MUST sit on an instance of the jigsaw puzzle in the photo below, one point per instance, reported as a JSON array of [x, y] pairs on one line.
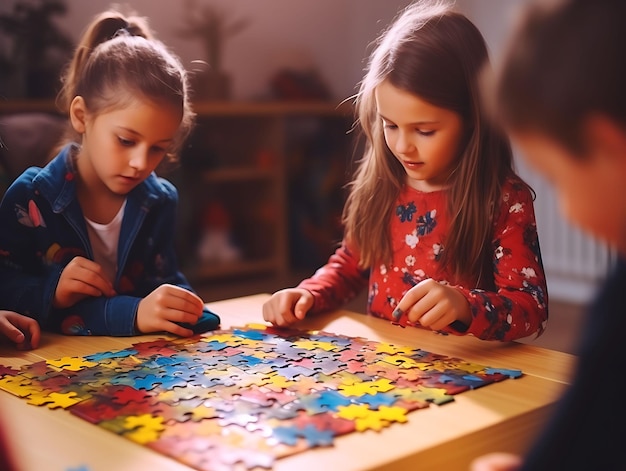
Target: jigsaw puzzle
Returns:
[[244, 397]]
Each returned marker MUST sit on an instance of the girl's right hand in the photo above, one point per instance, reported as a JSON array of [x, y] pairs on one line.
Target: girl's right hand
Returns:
[[166, 307], [287, 306], [80, 279]]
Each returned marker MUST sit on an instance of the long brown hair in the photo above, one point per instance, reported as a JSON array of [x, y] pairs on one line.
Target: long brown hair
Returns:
[[119, 59], [437, 54]]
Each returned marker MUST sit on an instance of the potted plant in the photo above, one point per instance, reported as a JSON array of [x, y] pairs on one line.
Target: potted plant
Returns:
[[212, 26]]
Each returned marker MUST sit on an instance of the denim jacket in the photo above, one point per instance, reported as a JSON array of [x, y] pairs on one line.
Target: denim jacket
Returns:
[[42, 228]]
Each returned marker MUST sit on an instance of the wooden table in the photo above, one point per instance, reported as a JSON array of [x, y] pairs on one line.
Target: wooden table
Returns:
[[502, 416]]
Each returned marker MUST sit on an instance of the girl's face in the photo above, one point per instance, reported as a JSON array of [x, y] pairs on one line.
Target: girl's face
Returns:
[[424, 138], [590, 191], [121, 147]]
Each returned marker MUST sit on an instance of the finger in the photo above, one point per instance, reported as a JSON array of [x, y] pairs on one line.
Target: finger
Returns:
[[267, 310], [176, 329], [435, 317], [10, 330], [420, 311], [180, 316], [85, 283], [302, 307], [184, 300], [284, 321], [35, 334], [272, 309], [281, 318], [81, 268], [410, 298], [93, 274], [278, 319], [77, 286], [285, 314], [29, 327]]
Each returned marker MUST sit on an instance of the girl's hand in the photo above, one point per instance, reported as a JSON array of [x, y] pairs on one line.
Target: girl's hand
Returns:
[[433, 305], [496, 462], [287, 306], [21, 330], [79, 279], [165, 307]]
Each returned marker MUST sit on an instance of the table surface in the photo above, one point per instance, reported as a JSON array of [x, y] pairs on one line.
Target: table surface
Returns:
[[503, 416]]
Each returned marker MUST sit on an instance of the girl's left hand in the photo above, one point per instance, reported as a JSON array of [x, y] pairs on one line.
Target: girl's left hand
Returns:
[[166, 307], [433, 305], [21, 330]]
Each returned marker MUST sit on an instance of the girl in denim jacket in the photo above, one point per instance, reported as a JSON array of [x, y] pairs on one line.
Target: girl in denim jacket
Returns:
[[87, 242]]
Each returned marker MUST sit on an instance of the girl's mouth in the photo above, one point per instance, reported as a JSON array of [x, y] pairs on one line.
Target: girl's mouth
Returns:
[[413, 164], [129, 180]]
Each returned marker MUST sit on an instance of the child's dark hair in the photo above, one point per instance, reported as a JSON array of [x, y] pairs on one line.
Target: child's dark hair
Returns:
[[118, 60], [564, 62], [436, 54]]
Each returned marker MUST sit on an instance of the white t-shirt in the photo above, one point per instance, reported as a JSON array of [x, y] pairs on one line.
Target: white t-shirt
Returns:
[[104, 240]]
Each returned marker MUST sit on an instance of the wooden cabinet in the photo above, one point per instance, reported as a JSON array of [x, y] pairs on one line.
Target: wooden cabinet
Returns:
[[236, 184], [259, 185]]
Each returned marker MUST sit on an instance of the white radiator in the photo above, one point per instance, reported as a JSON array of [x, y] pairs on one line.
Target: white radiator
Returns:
[[574, 262]]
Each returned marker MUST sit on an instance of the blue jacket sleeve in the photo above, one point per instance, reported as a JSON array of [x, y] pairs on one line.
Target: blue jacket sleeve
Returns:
[[101, 316], [28, 277]]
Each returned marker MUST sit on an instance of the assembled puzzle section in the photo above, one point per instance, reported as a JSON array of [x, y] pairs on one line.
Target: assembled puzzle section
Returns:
[[245, 397]]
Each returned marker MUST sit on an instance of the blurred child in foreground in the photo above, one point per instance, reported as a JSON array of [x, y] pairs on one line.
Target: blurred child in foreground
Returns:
[[561, 94]]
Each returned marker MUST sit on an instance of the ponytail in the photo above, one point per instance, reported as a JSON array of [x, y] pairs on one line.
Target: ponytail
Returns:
[[104, 27]]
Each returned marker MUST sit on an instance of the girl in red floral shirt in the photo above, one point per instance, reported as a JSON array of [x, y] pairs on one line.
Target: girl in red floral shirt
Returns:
[[436, 222]]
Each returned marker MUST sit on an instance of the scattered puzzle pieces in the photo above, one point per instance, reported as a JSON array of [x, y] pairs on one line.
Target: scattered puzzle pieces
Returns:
[[247, 396]]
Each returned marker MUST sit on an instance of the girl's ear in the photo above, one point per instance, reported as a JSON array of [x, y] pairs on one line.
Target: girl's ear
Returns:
[[78, 114]]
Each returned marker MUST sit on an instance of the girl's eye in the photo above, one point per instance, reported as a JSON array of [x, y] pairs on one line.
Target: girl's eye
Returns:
[[125, 142], [389, 125], [158, 150], [426, 133]]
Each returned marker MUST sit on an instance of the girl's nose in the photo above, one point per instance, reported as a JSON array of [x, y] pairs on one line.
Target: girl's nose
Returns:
[[404, 144], [139, 160]]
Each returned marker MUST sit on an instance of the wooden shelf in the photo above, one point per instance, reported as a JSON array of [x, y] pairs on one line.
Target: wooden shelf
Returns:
[[212, 108], [238, 174], [239, 268], [276, 108]]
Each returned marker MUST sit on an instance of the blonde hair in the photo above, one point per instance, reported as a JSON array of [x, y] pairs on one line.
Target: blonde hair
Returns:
[[436, 54]]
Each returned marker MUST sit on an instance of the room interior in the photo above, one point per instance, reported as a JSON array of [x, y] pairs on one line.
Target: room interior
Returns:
[[290, 99]]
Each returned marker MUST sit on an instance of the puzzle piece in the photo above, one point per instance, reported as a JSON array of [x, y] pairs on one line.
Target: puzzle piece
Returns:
[[367, 387], [141, 429], [71, 363], [18, 385], [313, 436], [54, 400]]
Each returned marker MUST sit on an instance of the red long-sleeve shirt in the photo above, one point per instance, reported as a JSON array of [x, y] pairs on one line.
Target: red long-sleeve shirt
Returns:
[[518, 307]]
